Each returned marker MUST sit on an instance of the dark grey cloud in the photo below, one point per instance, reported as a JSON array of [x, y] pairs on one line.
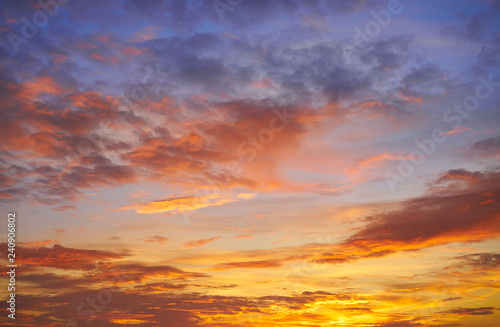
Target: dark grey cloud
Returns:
[[487, 148], [424, 76], [472, 28], [478, 261], [489, 56]]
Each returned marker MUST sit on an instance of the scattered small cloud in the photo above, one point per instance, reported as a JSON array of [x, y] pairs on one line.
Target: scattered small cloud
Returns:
[[197, 243]]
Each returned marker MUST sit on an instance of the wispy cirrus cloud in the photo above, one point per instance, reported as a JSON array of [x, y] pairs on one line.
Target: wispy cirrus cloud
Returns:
[[155, 238], [197, 243], [65, 258], [179, 204], [470, 311]]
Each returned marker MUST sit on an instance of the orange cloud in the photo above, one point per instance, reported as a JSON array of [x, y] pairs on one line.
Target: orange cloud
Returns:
[[39, 85], [459, 175], [155, 238], [407, 97], [264, 83], [197, 243], [106, 59], [58, 231], [457, 130], [138, 273], [248, 264], [61, 257], [5, 195], [179, 204], [247, 196], [58, 58], [373, 162], [470, 311], [145, 34], [65, 208], [39, 243], [131, 51], [244, 236], [434, 219]]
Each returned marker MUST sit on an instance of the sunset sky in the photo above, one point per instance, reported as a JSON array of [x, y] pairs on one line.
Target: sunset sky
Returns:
[[251, 163]]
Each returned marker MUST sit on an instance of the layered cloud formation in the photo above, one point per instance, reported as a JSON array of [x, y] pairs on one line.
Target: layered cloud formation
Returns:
[[252, 163]]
